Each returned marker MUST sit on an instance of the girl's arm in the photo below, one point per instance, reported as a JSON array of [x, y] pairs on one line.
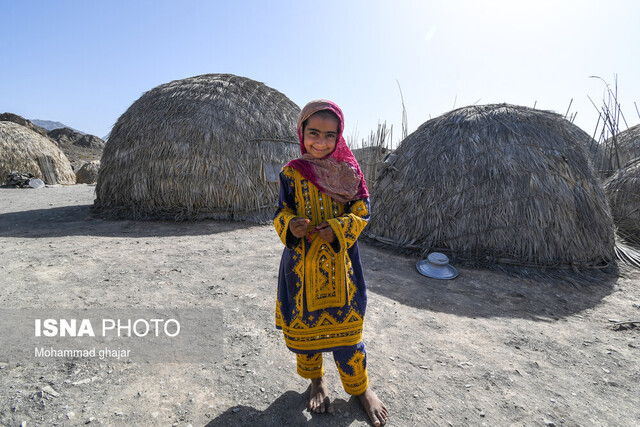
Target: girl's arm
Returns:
[[286, 210], [349, 225]]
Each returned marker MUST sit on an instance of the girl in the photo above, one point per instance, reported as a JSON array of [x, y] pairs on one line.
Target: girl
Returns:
[[323, 207]]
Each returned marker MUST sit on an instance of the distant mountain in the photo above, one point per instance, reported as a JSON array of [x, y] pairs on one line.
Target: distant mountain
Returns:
[[51, 125], [65, 137]]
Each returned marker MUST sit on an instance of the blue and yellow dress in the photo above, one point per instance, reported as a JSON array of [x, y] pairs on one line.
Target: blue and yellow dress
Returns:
[[322, 294]]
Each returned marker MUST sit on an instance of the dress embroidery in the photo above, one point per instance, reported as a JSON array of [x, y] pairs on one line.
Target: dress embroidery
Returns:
[[325, 277]]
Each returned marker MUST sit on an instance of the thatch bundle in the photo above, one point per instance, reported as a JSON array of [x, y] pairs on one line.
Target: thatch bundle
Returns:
[[495, 184], [623, 191], [24, 150], [206, 146], [622, 149]]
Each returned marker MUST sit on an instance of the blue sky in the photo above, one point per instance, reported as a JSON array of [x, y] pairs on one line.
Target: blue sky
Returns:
[[84, 63]]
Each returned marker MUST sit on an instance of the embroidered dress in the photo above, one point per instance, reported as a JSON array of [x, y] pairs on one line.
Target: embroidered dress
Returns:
[[321, 289], [322, 295]]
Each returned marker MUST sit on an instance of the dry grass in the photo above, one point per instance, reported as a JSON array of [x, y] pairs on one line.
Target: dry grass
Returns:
[[206, 146], [495, 184], [26, 151]]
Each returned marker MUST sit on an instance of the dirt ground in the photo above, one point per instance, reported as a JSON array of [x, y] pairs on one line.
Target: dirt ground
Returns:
[[483, 349]]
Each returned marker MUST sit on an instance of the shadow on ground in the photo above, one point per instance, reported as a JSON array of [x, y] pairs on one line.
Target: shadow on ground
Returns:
[[290, 409], [478, 292], [79, 221]]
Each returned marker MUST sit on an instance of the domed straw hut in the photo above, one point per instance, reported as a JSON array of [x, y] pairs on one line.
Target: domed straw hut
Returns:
[[495, 184], [623, 191], [26, 151], [622, 149], [209, 146]]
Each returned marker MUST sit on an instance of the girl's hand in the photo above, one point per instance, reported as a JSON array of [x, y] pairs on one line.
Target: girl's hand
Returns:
[[298, 227], [326, 232]]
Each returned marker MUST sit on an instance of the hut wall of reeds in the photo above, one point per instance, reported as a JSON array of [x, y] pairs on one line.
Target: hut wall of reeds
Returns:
[[209, 146], [623, 191], [27, 151], [495, 184]]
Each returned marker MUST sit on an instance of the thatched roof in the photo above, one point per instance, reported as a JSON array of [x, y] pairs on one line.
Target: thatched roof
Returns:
[[622, 149], [206, 146], [15, 118], [26, 151], [495, 184], [623, 191]]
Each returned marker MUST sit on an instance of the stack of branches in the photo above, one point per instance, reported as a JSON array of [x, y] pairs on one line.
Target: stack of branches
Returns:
[[373, 151], [495, 184], [209, 146], [614, 148], [26, 150], [627, 148]]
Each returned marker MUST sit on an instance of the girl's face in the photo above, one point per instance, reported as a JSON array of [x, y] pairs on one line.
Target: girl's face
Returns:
[[320, 135]]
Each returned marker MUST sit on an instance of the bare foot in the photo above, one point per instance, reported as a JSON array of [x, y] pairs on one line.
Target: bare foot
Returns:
[[319, 397], [376, 410]]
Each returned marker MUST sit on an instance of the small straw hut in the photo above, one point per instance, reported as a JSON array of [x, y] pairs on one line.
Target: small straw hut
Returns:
[[495, 184], [25, 150], [209, 146], [623, 191]]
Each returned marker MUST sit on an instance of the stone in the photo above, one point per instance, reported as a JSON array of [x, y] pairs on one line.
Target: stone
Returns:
[[88, 172], [49, 390]]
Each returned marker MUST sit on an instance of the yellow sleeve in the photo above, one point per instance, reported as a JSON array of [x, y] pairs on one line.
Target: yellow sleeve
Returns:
[[286, 209], [348, 226]]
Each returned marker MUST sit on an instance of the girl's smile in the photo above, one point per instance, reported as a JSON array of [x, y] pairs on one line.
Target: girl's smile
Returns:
[[320, 136]]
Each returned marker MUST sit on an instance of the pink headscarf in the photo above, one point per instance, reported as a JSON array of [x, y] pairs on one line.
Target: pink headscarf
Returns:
[[337, 175]]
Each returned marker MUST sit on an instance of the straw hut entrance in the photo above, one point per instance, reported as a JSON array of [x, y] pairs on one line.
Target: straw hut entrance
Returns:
[[209, 146], [26, 151], [495, 184]]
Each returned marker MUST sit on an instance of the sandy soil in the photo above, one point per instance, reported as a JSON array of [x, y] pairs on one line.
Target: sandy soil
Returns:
[[483, 349]]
